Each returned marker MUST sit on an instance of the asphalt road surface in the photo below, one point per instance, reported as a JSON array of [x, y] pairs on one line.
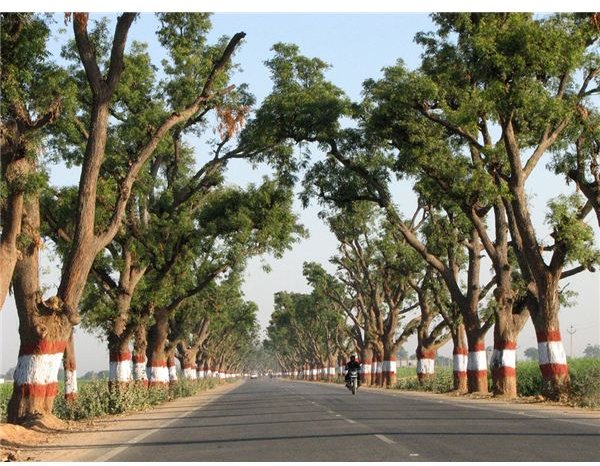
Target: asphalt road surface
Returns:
[[279, 420]]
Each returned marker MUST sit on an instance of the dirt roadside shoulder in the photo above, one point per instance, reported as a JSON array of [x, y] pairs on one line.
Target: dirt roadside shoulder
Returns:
[[94, 440]]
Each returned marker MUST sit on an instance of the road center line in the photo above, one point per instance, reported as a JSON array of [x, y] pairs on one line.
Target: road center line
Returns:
[[351, 421], [383, 438]]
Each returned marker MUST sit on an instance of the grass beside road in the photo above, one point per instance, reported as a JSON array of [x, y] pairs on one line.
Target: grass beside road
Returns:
[[94, 399], [584, 373]]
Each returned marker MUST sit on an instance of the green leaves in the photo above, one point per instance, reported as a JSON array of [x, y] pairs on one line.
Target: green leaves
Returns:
[[570, 231]]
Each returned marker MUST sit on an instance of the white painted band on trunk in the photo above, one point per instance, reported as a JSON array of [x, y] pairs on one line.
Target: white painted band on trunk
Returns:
[[209, 373], [221, 375], [189, 373], [139, 371], [503, 358], [332, 371], [460, 362], [158, 374], [70, 382], [172, 373], [119, 371], [477, 361], [201, 374], [378, 367], [366, 369], [389, 366], [39, 369], [552, 352], [425, 366]]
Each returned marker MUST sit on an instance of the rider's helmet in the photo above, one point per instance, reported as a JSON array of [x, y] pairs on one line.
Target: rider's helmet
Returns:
[[352, 358]]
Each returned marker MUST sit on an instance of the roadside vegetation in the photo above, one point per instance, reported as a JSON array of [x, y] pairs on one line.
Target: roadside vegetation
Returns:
[[96, 399], [584, 374]]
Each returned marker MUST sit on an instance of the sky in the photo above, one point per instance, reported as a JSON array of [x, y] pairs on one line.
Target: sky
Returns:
[[357, 46]]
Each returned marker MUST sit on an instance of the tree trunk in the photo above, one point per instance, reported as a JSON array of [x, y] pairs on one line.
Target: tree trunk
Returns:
[[366, 357], [504, 358], [70, 368], [11, 212], [477, 374], [158, 373], [460, 358], [425, 362], [172, 367], [388, 368], [43, 329], [120, 360], [189, 364], [551, 353], [140, 347]]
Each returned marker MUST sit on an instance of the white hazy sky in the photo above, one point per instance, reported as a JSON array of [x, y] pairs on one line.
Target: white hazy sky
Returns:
[[357, 46]]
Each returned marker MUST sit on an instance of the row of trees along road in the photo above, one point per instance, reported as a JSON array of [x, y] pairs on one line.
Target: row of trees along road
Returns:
[[495, 97], [153, 245], [149, 234]]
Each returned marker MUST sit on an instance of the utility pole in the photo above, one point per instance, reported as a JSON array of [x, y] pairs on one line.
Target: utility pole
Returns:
[[571, 331]]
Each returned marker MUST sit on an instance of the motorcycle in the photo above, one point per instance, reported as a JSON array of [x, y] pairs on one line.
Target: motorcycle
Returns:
[[352, 383]]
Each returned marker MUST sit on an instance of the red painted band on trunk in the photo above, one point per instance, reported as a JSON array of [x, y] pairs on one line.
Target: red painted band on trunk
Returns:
[[478, 347], [502, 345], [366, 361], [553, 335], [36, 390], [478, 374], [157, 363], [460, 350], [119, 357], [460, 373], [70, 396], [425, 354], [388, 374], [70, 366], [170, 363], [189, 366], [43, 347], [551, 370], [139, 359], [504, 371]]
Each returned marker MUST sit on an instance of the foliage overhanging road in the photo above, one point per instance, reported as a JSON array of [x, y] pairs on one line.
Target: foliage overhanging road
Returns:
[[275, 420]]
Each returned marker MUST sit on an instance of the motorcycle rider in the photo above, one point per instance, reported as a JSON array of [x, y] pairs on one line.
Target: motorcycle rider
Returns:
[[353, 364]]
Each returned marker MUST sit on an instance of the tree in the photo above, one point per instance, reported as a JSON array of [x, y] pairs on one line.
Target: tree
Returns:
[[55, 319], [31, 101], [532, 353], [533, 95], [592, 351]]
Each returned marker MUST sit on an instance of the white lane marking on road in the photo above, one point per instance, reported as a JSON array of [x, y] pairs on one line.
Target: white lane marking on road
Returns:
[[351, 421], [112, 453], [413, 454], [383, 438], [338, 415], [134, 440]]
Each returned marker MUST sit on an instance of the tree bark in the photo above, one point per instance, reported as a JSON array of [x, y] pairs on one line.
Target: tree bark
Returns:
[[158, 372], [552, 357], [460, 354], [120, 359], [44, 329], [366, 359], [70, 368], [140, 346]]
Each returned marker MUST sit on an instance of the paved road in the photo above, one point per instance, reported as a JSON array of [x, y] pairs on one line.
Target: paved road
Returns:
[[276, 420]]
